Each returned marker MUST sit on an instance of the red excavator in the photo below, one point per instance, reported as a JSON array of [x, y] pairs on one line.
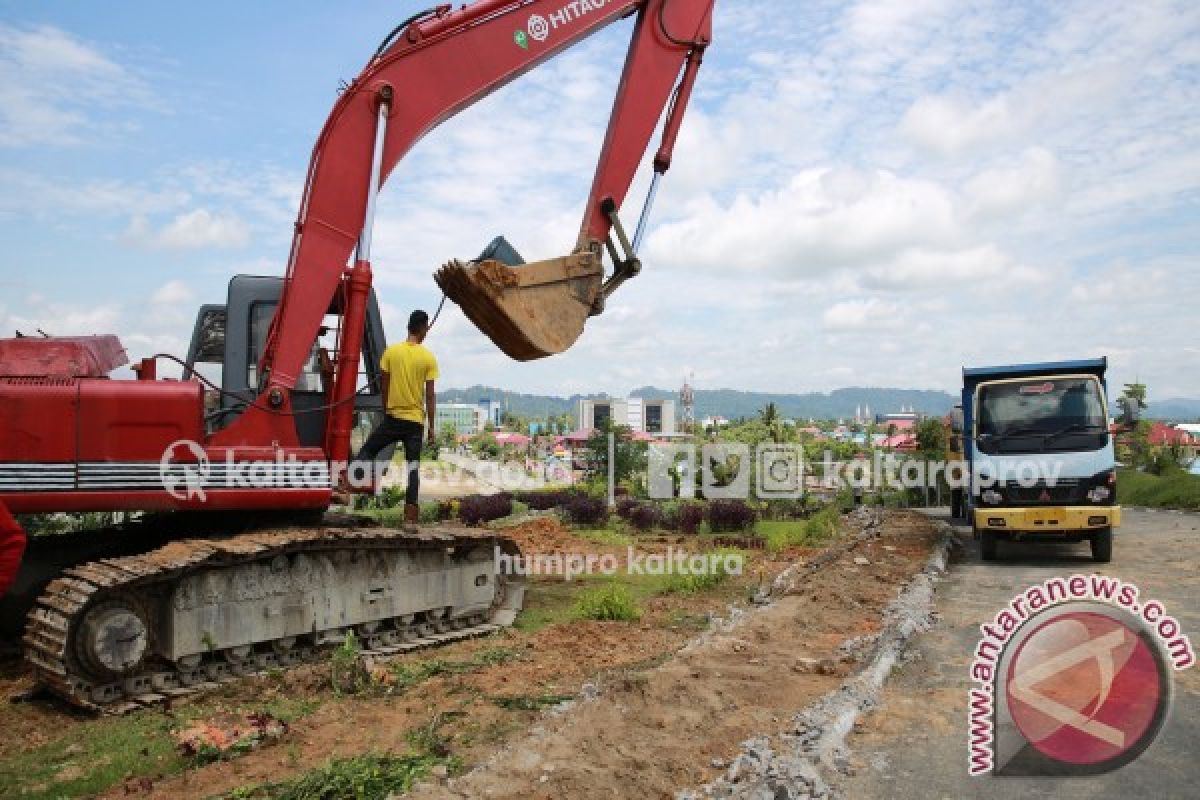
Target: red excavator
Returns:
[[229, 562]]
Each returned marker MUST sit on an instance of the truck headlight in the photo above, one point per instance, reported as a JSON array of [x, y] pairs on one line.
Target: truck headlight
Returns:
[[1099, 494], [991, 497]]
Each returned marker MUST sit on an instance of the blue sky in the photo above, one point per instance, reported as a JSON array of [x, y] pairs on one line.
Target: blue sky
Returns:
[[871, 193]]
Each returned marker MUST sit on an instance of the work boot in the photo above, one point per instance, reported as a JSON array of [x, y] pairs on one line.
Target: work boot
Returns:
[[412, 515]]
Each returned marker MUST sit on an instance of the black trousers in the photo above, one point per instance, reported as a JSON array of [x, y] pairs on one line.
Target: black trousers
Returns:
[[410, 435]]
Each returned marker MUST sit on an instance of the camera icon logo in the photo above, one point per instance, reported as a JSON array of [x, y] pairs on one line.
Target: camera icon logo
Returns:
[[780, 472]]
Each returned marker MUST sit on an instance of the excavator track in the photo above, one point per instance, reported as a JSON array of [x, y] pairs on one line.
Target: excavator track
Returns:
[[116, 634]]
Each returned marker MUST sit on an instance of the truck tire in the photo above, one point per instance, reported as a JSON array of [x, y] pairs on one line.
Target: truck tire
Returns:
[[987, 545], [1101, 540]]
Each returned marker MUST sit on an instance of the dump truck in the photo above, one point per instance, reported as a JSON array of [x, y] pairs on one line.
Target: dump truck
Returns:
[[1039, 454]]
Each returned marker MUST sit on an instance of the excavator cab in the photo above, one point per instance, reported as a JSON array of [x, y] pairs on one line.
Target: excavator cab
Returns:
[[228, 341], [529, 311]]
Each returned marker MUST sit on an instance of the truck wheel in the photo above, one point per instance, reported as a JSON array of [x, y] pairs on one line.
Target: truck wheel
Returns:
[[1102, 545], [987, 545]]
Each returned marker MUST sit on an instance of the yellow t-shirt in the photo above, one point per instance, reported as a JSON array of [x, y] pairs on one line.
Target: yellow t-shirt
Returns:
[[408, 367]]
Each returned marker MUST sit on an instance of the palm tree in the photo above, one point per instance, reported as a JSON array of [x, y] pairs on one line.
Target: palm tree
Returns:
[[769, 414]]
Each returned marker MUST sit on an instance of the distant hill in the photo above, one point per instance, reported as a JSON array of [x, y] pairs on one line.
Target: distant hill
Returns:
[[1177, 409], [732, 403], [729, 402]]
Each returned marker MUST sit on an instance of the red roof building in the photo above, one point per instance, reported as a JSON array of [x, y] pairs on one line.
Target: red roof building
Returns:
[[1164, 435], [900, 441]]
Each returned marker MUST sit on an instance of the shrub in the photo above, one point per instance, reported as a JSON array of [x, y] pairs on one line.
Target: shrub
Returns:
[[545, 499], [689, 516], [626, 507], [584, 509], [477, 509], [431, 513], [611, 602], [729, 515], [645, 516], [786, 508]]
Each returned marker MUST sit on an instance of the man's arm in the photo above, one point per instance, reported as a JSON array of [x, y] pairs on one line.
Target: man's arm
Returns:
[[385, 378], [431, 411]]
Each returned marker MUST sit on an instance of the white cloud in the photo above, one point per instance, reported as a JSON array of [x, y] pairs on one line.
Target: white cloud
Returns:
[[818, 221], [861, 315], [172, 293], [983, 265], [193, 230], [58, 319], [54, 85], [1032, 183], [26, 193]]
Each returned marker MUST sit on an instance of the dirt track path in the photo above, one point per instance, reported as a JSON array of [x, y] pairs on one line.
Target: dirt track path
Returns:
[[676, 726]]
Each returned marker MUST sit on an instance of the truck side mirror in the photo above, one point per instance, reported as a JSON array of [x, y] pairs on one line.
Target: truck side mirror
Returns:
[[956, 420]]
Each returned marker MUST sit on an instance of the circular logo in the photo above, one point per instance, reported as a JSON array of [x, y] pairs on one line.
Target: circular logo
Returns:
[[538, 27], [184, 478], [1087, 689]]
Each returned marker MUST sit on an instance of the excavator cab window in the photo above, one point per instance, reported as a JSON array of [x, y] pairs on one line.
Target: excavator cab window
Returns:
[[206, 355], [227, 345], [316, 375]]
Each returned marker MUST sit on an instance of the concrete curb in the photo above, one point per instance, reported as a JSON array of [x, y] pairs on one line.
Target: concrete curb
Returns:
[[804, 759]]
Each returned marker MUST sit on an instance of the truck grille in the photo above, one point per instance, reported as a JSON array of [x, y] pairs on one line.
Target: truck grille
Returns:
[[1064, 492]]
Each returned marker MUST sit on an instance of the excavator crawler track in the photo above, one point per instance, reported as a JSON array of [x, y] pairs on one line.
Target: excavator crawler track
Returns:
[[116, 634]]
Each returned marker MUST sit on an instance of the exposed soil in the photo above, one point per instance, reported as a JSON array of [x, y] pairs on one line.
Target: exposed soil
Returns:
[[666, 729], [663, 714]]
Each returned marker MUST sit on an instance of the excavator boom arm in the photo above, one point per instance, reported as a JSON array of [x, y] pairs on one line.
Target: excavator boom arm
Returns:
[[438, 65]]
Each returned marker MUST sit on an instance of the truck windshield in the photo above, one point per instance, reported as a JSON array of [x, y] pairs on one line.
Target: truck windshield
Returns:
[[1041, 414]]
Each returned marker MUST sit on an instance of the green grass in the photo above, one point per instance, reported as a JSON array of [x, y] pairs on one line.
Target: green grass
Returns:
[[97, 754], [706, 580], [1177, 489], [372, 776], [530, 702], [414, 674], [611, 602], [94, 756], [818, 528]]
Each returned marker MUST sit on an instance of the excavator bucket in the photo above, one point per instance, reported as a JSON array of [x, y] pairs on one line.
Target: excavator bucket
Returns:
[[529, 310]]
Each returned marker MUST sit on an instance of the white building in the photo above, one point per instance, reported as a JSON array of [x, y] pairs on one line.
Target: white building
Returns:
[[462, 417], [640, 414], [490, 411]]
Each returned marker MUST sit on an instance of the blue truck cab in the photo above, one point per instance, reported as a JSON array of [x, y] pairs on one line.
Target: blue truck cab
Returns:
[[1039, 455]]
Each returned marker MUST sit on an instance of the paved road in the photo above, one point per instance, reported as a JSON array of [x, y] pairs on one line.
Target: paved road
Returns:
[[915, 744]]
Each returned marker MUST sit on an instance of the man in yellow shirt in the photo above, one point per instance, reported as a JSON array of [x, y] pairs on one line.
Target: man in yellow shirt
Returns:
[[409, 370]]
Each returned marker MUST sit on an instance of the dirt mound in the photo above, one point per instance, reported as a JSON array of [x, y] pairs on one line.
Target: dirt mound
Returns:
[[546, 534]]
